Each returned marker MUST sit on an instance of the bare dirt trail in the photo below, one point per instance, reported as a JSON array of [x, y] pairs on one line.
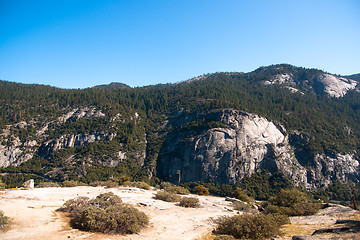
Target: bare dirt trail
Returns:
[[33, 214]]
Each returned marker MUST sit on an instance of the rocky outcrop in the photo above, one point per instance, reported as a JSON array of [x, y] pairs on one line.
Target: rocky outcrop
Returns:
[[77, 113], [281, 79], [226, 155], [71, 140], [249, 143], [16, 152], [326, 169], [332, 85], [336, 86], [29, 184]]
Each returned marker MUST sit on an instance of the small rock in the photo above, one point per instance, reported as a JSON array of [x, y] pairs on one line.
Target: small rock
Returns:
[[29, 184]]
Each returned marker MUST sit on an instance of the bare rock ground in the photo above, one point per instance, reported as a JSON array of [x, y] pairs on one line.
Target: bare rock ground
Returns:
[[325, 219], [33, 214]]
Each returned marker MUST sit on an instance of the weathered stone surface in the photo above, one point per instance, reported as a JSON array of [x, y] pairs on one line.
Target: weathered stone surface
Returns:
[[336, 86], [250, 143], [16, 152], [71, 140], [226, 155]]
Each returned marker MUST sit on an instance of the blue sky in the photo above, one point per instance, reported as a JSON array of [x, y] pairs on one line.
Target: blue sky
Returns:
[[83, 43]]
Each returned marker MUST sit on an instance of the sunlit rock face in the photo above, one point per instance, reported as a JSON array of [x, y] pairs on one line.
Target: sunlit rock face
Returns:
[[250, 143], [336, 86], [226, 155]]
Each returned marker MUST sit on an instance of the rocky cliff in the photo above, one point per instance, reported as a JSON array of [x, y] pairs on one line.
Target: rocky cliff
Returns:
[[249, 143]]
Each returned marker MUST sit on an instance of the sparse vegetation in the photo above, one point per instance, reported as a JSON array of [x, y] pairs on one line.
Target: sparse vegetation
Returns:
[[250, 226], [292, 202], [244, 207], [173, 188], [189, 202], [72, 183], [106, 213], [3, 219], [167, 196], [241, 195], [142, 185], [107, 184], [2, 185], [47, 184]]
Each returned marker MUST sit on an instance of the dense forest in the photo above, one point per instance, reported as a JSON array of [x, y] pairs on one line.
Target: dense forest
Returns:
[[331, 124]]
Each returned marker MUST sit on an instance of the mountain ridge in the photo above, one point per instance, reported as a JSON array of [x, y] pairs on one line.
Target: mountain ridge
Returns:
[[92, 134]]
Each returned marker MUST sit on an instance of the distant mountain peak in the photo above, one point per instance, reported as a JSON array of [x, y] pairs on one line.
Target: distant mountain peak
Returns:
[[113, 85]]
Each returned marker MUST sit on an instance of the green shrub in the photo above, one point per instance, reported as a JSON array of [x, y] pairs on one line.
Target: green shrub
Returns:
[[72, 183], [123, 180], [3, 219], [113, 219], [292, 202], [288, 197], [201, 190], [105, 200], [142, 185], [241, 195], [249, 226], [167, 196], [173, 188], [189, 202], [281, 219], [306, 208], [47, 185], [269, 208], [241, 206], [75, 206], [106, 213], [2, 185]]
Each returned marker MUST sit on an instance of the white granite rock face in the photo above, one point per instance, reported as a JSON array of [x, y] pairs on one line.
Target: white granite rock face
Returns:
[[226, 155], [336, 86], [251, 143], [16, 152]]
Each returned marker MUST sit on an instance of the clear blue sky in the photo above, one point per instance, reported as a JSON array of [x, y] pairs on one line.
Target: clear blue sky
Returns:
[[82, 43]]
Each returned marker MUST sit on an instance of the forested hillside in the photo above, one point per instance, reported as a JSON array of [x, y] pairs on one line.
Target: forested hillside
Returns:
[[92, 134]]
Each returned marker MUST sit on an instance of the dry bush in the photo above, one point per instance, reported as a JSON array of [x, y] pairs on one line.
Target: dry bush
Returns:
[[173, 188], [167, 196], [189, 202], [250, 226], [106, 213], [201, 190], [3, 219]]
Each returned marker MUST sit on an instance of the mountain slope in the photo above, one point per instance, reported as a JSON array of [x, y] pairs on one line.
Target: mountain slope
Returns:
[[93, 134]]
